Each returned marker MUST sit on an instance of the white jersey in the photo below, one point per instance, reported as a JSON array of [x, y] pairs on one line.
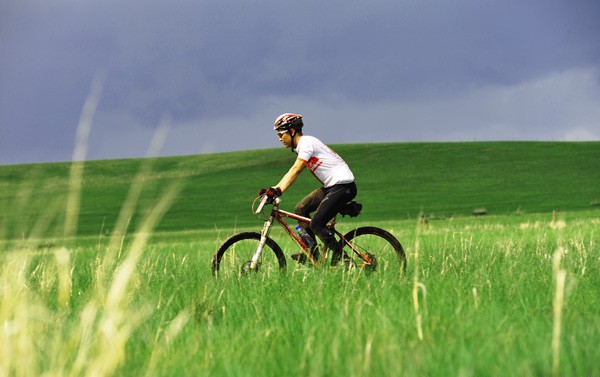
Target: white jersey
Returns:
[[326, 165]]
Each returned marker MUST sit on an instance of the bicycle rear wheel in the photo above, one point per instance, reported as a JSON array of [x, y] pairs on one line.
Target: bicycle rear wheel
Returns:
[[234, 255], [380, 245]]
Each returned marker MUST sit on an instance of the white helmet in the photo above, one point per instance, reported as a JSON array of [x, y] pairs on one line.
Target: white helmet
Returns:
[[287, 121]]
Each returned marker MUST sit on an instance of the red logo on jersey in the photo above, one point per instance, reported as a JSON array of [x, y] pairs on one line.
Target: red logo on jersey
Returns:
[[313, 163]]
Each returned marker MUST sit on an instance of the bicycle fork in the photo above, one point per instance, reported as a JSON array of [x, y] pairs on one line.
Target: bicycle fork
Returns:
[[264, 234]]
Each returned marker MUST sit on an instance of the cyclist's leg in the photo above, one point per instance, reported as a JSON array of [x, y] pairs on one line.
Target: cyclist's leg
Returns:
[[304, 208], [335, 198], [308, 205]]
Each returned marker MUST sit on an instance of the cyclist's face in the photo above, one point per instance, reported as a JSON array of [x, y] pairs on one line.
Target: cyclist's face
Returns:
[[285, 138]]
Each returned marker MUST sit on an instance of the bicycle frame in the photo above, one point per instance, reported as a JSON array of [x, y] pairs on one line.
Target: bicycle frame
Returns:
[[279, 215]]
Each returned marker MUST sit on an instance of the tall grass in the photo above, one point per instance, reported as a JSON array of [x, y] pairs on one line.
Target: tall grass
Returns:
[[493, 305], [60, 317]]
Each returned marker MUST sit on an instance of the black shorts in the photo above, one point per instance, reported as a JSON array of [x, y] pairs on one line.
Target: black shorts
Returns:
[[325, 203]]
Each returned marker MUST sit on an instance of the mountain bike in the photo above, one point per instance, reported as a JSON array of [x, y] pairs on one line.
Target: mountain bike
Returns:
[[367, 247]]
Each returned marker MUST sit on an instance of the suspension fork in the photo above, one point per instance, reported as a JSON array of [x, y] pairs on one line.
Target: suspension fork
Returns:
[[264, 234]]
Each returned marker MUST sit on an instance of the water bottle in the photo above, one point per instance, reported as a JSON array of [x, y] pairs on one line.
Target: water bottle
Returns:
[[305, 236]]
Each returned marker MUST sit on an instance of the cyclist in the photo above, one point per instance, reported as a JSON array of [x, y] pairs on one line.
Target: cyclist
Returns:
[[338, 186]]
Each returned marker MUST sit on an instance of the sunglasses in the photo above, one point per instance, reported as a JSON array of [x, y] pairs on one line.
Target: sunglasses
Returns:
[[281, 132]]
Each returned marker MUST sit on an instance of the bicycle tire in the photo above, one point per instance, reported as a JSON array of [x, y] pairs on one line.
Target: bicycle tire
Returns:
[[380, 244], [238, 250]]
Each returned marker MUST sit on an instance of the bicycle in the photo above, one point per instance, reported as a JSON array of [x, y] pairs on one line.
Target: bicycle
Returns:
[[368, 247]]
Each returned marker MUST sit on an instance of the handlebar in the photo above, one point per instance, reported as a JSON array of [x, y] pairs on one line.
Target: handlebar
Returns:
[[266, 200]]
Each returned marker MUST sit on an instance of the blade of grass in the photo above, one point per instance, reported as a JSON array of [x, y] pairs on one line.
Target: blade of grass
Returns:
[[76, 174]]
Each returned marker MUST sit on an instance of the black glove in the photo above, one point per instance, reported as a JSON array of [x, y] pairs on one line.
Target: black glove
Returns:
[[271, 192]]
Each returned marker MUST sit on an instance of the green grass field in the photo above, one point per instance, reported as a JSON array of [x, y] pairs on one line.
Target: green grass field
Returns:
[[128, 290]]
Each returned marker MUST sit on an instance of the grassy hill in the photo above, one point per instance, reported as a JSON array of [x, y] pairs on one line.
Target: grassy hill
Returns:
[[395, 180], [503, 294]]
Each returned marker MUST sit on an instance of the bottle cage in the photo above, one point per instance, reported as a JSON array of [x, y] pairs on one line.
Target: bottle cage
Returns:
[[351, 209]]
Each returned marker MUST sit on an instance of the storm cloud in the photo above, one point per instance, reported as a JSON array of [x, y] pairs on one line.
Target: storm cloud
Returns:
[[221, 71]]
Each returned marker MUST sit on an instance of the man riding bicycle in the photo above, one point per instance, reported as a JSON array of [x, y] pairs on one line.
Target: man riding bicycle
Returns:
[[338, 186]]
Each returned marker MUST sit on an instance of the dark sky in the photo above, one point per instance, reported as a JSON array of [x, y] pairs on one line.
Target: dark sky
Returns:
[[219, 72]]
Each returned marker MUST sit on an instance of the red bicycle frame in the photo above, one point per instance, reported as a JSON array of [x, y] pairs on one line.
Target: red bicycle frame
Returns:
[[279, 215]]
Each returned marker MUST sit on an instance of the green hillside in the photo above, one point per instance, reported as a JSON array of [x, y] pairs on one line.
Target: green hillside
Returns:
[[395, 180]]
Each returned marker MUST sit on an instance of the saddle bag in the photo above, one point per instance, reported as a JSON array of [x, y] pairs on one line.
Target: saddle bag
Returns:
[[351, 209]]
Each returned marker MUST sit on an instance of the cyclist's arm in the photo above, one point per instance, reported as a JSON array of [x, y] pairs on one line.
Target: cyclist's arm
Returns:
[[290, 177]]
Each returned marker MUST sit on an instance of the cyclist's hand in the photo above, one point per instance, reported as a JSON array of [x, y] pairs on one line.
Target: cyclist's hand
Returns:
[[271, 192]]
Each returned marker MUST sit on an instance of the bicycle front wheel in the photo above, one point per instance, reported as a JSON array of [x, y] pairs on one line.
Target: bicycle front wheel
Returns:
[[234, 255], [381, 246]]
